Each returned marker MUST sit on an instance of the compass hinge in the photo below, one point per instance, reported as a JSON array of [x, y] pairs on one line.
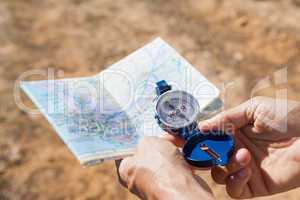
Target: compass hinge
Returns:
[[162, 87]]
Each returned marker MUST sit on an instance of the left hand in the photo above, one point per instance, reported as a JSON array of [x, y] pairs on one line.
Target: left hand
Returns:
[[158, 171]]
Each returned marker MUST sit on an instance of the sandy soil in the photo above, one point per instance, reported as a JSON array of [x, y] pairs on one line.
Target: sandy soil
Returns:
[[237, 42]]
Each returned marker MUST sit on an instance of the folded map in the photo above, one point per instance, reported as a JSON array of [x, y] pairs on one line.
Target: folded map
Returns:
[[103, 116]]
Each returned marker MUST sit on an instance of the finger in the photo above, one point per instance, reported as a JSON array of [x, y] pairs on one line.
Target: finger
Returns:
[[219, 174], [174, 139], [241, 159], [236, 184], [125, 170], [245, 136], [257, 182], [230, 120], [254, 134]]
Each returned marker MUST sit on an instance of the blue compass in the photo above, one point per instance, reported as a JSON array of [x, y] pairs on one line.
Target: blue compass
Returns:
[[177, 112]]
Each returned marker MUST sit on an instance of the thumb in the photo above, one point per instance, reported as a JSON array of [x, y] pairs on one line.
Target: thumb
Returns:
[[174, 139], [230, 120]]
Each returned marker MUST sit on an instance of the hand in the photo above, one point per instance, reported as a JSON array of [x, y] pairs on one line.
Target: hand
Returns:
[[158, 171], [267, 156]]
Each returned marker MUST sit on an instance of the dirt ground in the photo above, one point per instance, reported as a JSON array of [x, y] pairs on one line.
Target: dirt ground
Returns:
[[237, 41]]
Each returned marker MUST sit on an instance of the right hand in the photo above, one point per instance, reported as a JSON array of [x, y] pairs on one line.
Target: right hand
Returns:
[[267, 155]]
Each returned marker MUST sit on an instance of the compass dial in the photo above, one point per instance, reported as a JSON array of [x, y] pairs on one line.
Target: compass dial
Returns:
[[177, 109]]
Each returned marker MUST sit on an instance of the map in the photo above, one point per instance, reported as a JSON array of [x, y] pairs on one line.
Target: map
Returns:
[[102, 117]]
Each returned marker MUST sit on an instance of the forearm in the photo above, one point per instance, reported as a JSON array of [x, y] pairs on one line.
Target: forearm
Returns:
[[182, 188], [189, 193], [161, 173]]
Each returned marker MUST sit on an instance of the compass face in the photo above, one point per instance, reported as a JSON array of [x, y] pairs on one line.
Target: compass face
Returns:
[[177, 109]]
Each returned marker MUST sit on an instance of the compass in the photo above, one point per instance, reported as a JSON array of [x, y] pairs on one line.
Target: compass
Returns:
[[177, 109], [176, 112]]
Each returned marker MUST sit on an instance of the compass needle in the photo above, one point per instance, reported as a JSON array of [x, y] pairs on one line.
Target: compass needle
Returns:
[[170, 105], [209, 151], [183, 116]]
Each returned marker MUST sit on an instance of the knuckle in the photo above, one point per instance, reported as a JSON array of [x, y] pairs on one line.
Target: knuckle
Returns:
[[259, 99]]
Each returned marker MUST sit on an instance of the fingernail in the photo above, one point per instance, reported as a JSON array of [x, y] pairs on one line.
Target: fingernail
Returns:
[[242, 157]]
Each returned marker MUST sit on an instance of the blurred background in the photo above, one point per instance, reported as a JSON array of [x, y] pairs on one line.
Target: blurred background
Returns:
[[237, 41]]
